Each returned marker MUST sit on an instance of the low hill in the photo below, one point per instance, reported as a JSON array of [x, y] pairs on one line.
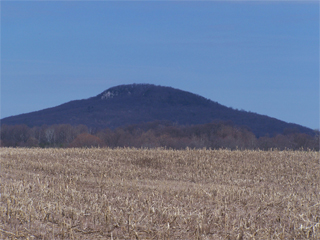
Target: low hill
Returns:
[[139, 103]]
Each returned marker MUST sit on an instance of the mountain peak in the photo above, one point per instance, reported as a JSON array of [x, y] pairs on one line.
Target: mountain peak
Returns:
[[125, 90], [138, 103], [153, 94]]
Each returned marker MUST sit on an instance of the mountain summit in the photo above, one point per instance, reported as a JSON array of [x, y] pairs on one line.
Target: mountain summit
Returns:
[[148, 93], [138, 103]]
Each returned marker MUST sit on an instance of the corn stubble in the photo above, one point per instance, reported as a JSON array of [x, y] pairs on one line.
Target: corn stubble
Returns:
[[159, 194]]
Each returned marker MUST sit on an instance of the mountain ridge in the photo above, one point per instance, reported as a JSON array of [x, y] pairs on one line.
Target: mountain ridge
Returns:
[[138, 103]]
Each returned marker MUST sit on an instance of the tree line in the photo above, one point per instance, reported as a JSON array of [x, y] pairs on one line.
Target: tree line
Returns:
[[152, 135]]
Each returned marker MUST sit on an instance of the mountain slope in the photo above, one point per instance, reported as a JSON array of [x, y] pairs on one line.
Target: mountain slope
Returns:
[[137, 103]]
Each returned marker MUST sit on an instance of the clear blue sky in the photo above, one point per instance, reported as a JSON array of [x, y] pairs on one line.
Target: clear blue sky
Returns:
[[256, 56]]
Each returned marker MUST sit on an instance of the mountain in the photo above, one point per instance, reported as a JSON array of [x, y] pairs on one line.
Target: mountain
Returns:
[[137, 103]]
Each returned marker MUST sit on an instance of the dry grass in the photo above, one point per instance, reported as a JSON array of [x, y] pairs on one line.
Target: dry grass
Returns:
[[159, 194]]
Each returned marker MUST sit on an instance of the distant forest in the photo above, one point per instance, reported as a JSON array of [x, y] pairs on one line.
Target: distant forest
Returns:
[[153, 135]]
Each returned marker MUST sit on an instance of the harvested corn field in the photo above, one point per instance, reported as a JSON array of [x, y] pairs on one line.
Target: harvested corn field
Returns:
[[159, 194]]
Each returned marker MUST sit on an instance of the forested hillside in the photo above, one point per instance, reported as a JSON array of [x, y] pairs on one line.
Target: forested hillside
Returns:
[[140, 103], [152, 135]]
